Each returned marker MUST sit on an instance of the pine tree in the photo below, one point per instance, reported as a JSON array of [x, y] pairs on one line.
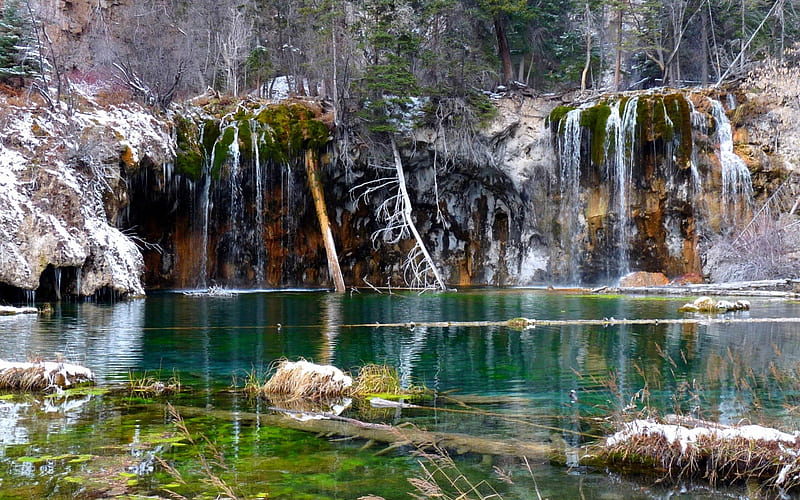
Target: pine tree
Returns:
[[16, 45]]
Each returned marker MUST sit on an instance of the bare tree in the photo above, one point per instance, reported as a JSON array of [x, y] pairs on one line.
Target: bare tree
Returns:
[[419, 269], [233, 46]]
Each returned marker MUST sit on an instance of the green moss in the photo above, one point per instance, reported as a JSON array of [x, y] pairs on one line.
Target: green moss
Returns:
[[594, 119], [222, 149], [680, 113], [290, 129], [245, 139], [189, 157], [557, 115], [211, 133]]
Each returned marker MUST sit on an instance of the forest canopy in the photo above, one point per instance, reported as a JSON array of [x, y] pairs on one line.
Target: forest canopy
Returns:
[[383, 51]]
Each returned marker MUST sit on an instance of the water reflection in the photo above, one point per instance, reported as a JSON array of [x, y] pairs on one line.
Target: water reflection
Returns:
[[106, 337], [718, 370]]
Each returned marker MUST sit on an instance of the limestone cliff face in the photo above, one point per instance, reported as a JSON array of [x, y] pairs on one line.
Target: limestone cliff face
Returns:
[[61, 176], [520, 208], [221, 198]]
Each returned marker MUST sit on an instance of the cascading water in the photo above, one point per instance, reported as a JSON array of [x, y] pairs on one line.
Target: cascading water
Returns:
[[570, 174], [631, 184], [258, 216], [737, 187], [619, 153], [700, 125], [205, 209]]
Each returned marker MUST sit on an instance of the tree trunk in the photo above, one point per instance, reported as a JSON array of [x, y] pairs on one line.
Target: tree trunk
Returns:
[[704, 47], [502, 48], [588, 62], [315, 185], [618, 61]]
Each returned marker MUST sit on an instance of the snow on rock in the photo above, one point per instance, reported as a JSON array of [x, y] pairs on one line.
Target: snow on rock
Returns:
[[60, 175]]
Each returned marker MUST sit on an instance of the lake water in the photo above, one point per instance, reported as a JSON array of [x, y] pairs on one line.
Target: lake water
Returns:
[[724, 372]]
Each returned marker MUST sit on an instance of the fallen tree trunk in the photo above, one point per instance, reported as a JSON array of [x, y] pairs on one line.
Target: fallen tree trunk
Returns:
[[10, 310], [395, 436], [315, 185]]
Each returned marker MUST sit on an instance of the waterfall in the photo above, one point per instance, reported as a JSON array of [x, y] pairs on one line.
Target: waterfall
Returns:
[[621, 140], [737, 187], [205, 207], [569, 190], [700, 125], [235, 189], [258, 215], [57, 282]]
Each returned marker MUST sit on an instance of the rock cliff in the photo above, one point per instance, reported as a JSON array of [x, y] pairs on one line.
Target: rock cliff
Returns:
[[215, 195], [61, 177]]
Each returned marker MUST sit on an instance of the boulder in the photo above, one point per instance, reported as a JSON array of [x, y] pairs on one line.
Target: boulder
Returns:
[[642, 278]]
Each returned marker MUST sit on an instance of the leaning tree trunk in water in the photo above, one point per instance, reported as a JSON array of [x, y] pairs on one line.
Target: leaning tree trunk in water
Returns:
[[406, 209], [315, 185]]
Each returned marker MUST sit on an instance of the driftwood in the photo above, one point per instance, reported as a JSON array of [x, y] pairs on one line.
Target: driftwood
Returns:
[[533, 323], [787, 288]]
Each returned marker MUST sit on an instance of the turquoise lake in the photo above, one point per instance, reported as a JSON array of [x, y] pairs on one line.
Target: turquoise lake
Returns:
[[49, 446]]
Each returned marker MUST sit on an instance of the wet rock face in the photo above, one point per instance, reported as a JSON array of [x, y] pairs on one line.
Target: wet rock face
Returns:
[[235, 213], [645, 179]]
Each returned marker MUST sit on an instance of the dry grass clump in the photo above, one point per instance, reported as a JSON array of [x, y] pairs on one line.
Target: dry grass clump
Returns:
[[714, 452], [42, 376], [382, 379], [302, 379], [377, 379], [146, 385]]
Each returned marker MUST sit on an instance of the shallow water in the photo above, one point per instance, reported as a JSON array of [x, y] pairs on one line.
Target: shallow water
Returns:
[[725, 372]]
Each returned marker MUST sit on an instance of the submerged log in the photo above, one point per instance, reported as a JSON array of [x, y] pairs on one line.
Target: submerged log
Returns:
[[42, 375], [394, 435]]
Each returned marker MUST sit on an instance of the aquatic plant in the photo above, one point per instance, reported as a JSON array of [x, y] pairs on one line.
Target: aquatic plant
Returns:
[[208, 456], [147, 385]]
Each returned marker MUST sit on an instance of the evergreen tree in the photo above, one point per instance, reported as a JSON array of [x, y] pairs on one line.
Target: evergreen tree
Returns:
[[17, 49], [391, 50]]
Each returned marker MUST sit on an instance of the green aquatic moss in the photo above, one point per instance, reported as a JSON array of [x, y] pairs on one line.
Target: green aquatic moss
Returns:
[[557, 115], [222, 150], [211, 132], [289, 130], [680, 113], [594, 119], [189, 157]]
